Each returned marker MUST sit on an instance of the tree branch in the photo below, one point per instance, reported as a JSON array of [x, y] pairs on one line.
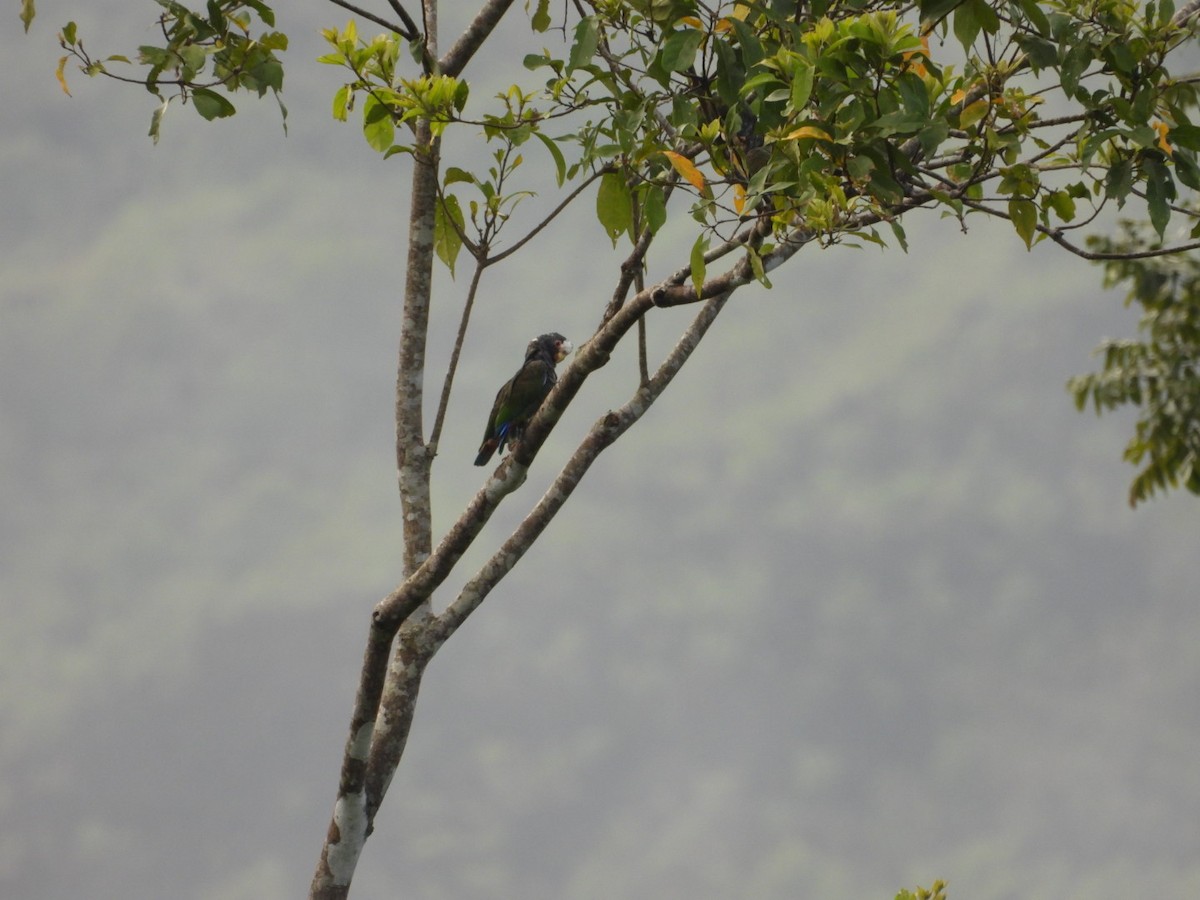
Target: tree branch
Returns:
[[413, 31], [499, 257], [452, 367], [473, 37], [408, 35], [397, 704], [604, 432], [1184, 13], [1055, 235]]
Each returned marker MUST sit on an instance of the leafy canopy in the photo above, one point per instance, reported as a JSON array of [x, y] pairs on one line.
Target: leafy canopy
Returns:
[[777, 123]]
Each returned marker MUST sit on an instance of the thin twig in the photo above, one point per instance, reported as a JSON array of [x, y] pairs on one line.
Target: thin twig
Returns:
[[444, 402], [1056, 235], [378, 20], [414, 31], [499, 257]]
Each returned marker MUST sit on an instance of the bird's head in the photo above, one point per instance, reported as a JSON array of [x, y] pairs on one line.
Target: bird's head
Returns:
[[553, 345]]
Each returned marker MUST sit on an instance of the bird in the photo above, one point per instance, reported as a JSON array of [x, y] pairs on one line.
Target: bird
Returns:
[[521, 395]]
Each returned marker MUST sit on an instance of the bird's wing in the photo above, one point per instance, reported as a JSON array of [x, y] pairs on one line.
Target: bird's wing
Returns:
[[528, 389], [498, 417]]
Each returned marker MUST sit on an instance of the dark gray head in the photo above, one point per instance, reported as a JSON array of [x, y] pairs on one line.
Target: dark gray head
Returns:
[[552, 346]]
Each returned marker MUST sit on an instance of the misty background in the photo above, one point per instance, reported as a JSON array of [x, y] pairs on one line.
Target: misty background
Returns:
[[859, 604]]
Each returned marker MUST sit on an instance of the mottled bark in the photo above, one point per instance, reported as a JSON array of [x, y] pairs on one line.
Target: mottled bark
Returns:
[[412, 455], [386, 699]]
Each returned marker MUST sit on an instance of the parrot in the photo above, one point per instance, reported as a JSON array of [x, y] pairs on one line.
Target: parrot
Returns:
[[521, 395]]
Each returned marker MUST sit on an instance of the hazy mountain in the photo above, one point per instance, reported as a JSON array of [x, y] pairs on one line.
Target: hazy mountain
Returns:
[[859, 604]]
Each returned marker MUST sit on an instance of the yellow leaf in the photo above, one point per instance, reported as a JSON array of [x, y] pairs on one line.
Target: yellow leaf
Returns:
[[693, 21], [808, 131], [973, 113], [686, 168], [739, 198], [957, 96], [924, 52], [1163, 143], [62, 78]]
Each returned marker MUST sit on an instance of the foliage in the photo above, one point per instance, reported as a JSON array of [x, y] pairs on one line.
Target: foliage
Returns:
[[830, 118], [1159, 374], [822, 123], [836, 118], [216, 43], [936, 892]]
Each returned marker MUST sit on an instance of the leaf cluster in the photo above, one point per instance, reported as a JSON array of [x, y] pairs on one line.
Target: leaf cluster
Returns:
[[1159, 373], [825, 120], [203, 55], [937, 891]]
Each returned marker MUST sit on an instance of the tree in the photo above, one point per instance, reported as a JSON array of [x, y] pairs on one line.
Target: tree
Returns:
[[1158, 374], [775, 125]]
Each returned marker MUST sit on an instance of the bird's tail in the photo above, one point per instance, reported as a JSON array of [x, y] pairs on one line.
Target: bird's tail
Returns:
[[485, 451]]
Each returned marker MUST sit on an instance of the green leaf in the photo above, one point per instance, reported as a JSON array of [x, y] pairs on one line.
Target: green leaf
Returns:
[[378, 127], [967, 25], [1024, 218], [1036, 16], [541, 16], [756, 266], [932, 136], [1063, 205], [1185, 135], [560, 164], [68, 35], [264, 12], [935, 10], [587, 39], [194, 58], [1078, 58], [698, 265], [341, 102], [614, 207], [211, 105], [1186, 169], [154, 56], [679, 49], [447, 239], [898, 231], [1042, 53], [1118, 181], [156, 120], [27, 14], [752, 51], [986, 15], [654, 207], [914, 94], [802, 83], [899, 122], [1160, 190]]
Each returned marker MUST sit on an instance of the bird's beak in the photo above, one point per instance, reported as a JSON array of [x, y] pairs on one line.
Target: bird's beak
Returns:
[[564, 350]]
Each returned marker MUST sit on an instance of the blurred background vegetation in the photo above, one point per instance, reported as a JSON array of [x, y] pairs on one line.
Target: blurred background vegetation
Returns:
[[858, 605]]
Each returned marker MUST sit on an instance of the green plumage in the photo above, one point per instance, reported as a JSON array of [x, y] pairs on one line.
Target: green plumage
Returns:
[[519, 398]]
